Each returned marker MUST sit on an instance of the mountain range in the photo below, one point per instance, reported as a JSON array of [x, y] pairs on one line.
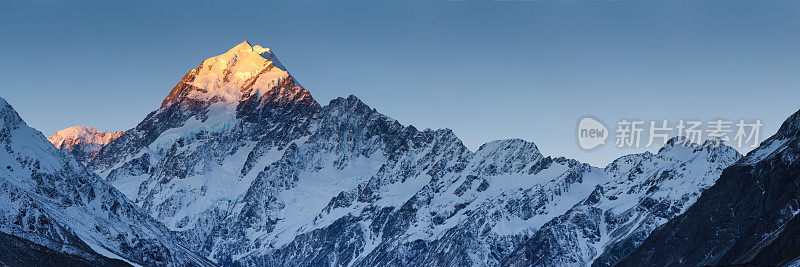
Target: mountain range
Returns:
[[240, 164]]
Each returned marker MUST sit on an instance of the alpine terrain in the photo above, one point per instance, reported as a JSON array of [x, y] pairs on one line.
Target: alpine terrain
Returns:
[[748, 217], [247, 167], [642, 192], [55, 212]]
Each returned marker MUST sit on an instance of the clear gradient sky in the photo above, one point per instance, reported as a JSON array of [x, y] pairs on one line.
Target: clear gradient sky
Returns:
[[486, 69]]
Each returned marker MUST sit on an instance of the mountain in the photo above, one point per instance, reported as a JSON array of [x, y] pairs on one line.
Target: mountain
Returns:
[[642, 192], [81, 142], [69, 214], [242, 161], [748, 217], [246, 166], [365, 190]]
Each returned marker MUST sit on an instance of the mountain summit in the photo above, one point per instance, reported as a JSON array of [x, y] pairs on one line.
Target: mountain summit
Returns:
[[245, 93], [244, 72], [82, 142]]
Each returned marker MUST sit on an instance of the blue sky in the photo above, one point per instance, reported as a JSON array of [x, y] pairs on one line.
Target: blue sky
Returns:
[[486, 69]]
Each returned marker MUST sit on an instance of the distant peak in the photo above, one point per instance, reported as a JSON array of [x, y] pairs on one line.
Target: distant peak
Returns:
[[78, 129], [508, 144], [681, 143], [512, 147], [350, 102], [68, 137], [507, 156]]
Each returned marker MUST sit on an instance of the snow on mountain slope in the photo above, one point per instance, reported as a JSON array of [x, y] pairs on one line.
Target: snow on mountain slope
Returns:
[[234, 112], [50, 199], [241, 161], [245, 179], [244, 72], [642, 192], [390, 186], [748, 217], [81, 142]]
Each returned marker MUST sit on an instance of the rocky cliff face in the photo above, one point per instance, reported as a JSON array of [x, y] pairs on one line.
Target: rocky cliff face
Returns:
[[51, 200], [747, 217]]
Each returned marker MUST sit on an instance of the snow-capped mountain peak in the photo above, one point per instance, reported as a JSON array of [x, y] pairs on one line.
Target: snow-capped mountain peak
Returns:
[[239, 74], [511, 155], [242, 59], [680, 148], [82, 142], [75, 135], [244, 49]]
